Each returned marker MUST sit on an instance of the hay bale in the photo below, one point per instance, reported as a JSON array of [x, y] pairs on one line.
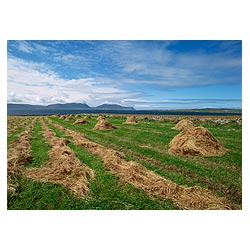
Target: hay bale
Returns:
[[131, 120], [183, 124], [103, 124], [82, 121], [195, 141]]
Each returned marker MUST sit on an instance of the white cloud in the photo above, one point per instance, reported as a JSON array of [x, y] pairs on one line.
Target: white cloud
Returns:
[[24, 47], [35, 83]]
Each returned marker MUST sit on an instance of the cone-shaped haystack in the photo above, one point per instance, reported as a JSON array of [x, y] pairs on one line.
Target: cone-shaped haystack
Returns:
[[103, 124], [62, 117], [183, 124], [100, 117], [81, 120], [195, 141], [68, 118], [131, 120]]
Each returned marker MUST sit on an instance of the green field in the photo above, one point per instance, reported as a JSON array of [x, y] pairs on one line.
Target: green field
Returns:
[[146, 143]]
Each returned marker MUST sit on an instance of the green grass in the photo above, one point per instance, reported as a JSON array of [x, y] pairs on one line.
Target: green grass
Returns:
[[107, 190], [220, 174], [146, 143]]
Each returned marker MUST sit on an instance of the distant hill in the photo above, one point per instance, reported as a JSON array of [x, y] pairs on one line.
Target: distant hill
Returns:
[[59, 108], [113, 107], [69, 106], [23, 106]]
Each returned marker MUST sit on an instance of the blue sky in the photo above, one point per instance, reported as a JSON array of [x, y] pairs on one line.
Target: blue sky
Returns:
[[143, 74]]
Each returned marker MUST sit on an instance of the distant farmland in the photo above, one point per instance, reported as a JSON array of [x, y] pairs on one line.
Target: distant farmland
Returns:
[[56, 164]]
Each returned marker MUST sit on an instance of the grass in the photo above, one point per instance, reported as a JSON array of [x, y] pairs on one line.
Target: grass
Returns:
[[146, 143], [107, 191], [220, 174]]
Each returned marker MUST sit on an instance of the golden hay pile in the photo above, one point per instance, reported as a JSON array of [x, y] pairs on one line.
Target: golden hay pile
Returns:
[[131, 120], [195, 141], [183, 124], [63, 167], [103, 124], [152, 183], [68, 118], [80, 121]]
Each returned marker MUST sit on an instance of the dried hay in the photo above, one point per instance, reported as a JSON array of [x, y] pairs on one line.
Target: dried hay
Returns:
[[103, 124], [63, 167], [152, 183], [100, 117], [19, 155], [195, 141], [131, 120], [68, 118], [80, 121], [183, 124]]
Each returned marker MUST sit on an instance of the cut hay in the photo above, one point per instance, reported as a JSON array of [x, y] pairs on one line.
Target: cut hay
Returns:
[[100, 117], [19, 155], [103, 124], [68, 118], [131, 120], [63, 167], [80, 121], [152, 183], [183, 124], [195, 141]]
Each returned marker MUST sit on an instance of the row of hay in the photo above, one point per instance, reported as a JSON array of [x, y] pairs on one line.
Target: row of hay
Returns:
[[63, 167], [152, 183], [19, 124], [19, 154]]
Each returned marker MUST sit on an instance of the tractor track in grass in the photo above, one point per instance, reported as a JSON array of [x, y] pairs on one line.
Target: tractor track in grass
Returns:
[[63, 167], [140, 177], [229, 191]]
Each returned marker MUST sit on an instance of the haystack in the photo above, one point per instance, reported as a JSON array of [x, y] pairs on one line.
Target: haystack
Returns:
[[82, 120], [183, 124], [131, 120], [195, 141], [103, 124], [68, 118], [100, 117]]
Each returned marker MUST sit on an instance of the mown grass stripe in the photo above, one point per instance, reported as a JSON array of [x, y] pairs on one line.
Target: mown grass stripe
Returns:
[[218, 176], [108, 192]]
